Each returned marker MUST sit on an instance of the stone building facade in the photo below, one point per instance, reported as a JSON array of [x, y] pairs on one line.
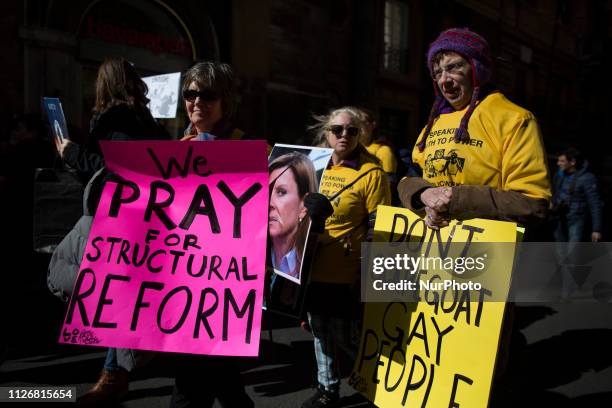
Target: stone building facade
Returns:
[[298, 57]]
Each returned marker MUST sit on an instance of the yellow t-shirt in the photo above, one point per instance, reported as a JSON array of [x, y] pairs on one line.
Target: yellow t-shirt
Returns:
[[385, 155], [337, 259], [505, 150]]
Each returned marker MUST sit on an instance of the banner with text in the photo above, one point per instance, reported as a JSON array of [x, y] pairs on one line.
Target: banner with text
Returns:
[[175, 260], [439, 350]]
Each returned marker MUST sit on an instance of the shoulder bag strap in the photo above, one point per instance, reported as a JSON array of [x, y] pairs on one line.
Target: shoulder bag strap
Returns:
[[352, 183]]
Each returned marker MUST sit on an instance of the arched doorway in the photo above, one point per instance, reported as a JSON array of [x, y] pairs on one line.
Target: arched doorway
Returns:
[[149, 34]]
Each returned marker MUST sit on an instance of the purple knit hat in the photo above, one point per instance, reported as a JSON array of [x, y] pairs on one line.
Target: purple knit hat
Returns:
[[473, 48]]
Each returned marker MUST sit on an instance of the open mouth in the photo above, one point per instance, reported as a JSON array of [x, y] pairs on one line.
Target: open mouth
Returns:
[[452, 92]]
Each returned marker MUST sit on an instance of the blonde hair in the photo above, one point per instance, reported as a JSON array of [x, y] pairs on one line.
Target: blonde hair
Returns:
[[323, 121]]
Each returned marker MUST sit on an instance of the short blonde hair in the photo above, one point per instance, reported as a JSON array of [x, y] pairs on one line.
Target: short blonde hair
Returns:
[[323, 121]]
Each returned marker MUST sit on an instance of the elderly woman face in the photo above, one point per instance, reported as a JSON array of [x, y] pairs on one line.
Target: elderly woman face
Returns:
[[453, 75], [286, 206], [203, 107]]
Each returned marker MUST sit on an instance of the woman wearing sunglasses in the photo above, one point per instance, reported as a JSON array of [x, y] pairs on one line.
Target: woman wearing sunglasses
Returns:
[[355, 184], [210, 102]]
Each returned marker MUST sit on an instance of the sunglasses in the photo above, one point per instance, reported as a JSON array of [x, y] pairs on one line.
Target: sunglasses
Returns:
[[207, 95], [338, 130]]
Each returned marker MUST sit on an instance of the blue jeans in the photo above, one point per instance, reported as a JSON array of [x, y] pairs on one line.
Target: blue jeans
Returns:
[[568, 233], [569, 229], [330, 334], [110, 363]]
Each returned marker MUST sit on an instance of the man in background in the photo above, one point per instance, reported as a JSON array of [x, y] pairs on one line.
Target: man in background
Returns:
[[575, 197]]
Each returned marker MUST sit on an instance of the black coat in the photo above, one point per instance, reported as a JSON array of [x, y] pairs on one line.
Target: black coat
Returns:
[[119, 122]]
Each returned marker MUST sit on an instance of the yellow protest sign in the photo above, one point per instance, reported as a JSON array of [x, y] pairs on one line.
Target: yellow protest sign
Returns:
[[440, 351]]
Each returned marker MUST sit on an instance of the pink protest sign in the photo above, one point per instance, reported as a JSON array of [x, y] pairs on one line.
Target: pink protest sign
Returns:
[[175, 260]]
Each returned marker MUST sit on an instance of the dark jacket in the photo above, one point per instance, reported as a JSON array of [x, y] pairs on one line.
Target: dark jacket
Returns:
[[576, 194], [118, 122]]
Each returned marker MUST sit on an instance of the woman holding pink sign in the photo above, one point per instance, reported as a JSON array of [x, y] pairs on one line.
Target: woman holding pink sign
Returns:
[[210, 101]]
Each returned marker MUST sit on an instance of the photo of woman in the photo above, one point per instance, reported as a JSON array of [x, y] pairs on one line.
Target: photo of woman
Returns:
[[292, 177]]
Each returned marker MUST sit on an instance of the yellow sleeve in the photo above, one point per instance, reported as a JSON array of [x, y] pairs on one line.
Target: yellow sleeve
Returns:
[[387, 159], [377, 190], [524, 167]]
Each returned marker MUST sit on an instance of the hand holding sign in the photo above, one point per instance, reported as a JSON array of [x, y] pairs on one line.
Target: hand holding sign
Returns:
[[435, 220], [437, 201], [61, 145], [437, 198], [319, 209]]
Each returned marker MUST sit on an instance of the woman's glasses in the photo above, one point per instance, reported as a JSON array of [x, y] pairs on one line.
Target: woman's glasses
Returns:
[[338, 130], [207, 95], [453, 68]]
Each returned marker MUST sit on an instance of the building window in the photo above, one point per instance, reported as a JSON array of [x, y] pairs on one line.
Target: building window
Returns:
[[396, 36]]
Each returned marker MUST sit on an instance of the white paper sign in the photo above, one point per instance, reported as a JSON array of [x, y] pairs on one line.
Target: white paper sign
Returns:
[[164, 94]]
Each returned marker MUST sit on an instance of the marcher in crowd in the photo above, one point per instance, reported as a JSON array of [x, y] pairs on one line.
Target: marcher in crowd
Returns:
[[120, 113], [575, 198], [482, 156], [355, 184], [210, 101], [493, 166], [377, 145]]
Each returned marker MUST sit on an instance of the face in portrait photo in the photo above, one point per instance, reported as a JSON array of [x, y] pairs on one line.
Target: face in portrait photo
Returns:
[[292, 177]]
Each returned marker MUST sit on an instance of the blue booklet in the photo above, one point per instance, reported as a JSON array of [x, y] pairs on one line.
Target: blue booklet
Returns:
[[57, 121]]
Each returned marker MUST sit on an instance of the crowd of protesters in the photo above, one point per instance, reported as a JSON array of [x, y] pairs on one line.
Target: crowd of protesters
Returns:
[[493, 167]]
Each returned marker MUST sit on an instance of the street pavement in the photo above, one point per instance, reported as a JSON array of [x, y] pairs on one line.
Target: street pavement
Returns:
[[560, 357]]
